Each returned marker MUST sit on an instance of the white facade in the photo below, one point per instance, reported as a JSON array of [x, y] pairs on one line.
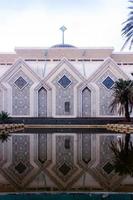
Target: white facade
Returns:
[[61, 82]]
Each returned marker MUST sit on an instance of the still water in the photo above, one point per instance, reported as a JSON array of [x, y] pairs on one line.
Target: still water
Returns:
[[60, 162]]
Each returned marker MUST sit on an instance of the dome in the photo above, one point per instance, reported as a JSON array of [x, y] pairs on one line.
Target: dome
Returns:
[[63, 46]]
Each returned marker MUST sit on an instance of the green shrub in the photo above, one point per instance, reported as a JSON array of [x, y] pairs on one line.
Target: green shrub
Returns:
[[4, 117]]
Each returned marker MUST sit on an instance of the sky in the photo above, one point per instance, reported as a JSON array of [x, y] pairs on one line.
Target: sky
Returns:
[[36, 23]]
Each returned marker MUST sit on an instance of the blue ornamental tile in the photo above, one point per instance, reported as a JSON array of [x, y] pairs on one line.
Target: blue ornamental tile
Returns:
[[108, 82], [20, 82], [64, 82]]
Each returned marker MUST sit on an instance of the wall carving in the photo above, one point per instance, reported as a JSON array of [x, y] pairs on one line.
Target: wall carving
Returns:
[[64, 94], [64, 157], [1, 100], [86, 102], [42, 102], [20, 165], [20, 84], [64, 160], [105, 94]]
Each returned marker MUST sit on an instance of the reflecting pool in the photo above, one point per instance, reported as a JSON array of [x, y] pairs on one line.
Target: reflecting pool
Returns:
[[67, 196], [60, 162]]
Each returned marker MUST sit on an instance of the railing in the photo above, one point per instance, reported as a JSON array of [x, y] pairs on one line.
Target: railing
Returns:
[[10, 128], [122, 128]]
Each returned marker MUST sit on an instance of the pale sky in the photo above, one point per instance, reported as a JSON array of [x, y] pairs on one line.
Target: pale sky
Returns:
[[36, 23]]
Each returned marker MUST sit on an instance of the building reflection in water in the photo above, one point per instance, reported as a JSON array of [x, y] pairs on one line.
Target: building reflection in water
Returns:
[[60, 161]]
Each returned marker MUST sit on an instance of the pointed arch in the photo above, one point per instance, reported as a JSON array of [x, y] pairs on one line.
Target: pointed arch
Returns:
[[42, 102], [86, 102], [108, 64], [63, 81], [19, 64]]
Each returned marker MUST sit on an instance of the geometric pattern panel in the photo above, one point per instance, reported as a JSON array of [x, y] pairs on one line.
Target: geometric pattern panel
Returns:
[[20, 166], [105, 83], [20, 82], [64, 82], [21, 101], [42, 148], [86, 103], [2, 157], [108, 167], [42, 102], [64, 167], [104, 170], [108, 82], [66, 162], [106, 154], [64, 96], [21, 94], [86, 148], [1, 100]]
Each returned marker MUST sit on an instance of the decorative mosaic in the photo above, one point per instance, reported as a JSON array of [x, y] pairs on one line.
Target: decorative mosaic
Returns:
[[21, 101], [104, 169], [20, 98], [105, 94], [20, 82], [58, 161], [108, 168], [66, 95], [108, 82], [86, 148], [42, 102], [20, 166], [86, 103], [105, 151], [64, 82], [1, 100], [3, 159], [42, 148], [64, 167]]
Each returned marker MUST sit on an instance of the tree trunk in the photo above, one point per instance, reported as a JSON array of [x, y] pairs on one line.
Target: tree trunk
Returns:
[[127, 140], [128, 119], [127, 114]]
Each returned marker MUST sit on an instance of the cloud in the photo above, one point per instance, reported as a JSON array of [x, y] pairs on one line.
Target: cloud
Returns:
[[95, 23]]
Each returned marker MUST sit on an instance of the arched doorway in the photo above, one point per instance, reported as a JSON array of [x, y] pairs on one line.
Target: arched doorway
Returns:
[[86, 102], [42, 102]]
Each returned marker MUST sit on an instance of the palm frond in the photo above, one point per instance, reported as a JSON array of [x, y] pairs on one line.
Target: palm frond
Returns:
[[127, 30], [122, 97], [4, 136], [122, 159]]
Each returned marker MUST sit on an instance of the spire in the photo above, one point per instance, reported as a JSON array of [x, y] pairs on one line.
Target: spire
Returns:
[[63, 44], [63, 29]]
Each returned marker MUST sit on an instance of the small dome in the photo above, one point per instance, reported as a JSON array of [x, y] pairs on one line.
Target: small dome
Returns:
[[63, 46]]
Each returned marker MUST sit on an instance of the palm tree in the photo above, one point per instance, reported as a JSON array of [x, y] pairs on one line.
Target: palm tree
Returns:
[[123, 158], [123, 98], [4, 136], [123, 101], [123, 150], [127, 30], [4, 116]]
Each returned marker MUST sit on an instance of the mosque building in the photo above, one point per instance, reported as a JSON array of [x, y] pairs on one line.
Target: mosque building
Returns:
[[61, 81]]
